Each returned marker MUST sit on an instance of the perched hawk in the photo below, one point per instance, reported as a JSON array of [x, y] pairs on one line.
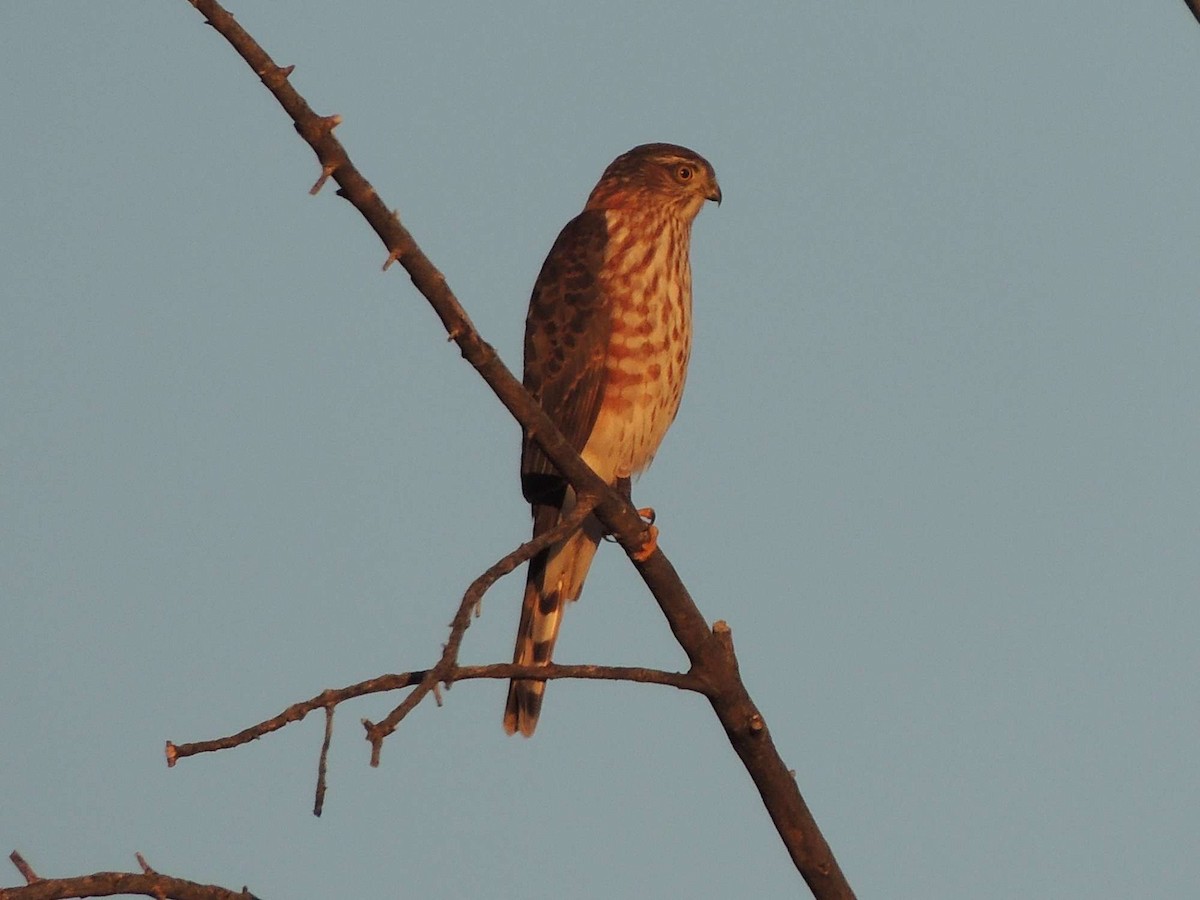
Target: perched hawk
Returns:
[[607, 341]]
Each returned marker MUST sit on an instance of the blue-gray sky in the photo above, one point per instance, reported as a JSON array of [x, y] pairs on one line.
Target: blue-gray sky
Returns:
[[936, 465]]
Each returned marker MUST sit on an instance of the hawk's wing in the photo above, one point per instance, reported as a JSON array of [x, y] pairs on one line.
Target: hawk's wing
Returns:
[[566, 340]]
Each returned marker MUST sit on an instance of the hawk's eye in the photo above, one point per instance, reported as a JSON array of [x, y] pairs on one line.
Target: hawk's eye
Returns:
[[684, 173]]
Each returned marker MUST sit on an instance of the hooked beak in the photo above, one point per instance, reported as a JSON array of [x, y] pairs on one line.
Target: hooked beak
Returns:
[[715, 193]]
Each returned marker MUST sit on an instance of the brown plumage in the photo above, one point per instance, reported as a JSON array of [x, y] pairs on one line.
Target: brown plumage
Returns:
[[607, 342]]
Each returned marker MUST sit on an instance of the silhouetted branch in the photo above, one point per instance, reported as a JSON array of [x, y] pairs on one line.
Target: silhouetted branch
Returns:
[[710, 652], [383, 683], [441, 672], [446, 671], [107, 884], [328, 700], [323, 762]]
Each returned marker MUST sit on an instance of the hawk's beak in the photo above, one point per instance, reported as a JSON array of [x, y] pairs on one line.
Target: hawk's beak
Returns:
[[715, 193]]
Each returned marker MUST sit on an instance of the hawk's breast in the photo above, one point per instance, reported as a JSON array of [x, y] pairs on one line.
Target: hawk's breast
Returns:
[[646, 281]]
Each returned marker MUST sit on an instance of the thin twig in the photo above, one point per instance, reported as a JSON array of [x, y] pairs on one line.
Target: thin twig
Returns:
[[685, 681], [330, 698], [322, 763], [442, 671]]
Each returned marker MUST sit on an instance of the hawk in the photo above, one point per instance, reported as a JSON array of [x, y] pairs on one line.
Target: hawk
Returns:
[[607, 342]]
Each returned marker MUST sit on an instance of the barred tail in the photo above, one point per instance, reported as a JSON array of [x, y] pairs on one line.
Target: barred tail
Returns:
[[555, 578]]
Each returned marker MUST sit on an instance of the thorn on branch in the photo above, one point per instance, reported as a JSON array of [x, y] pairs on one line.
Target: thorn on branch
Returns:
[[24, 868], [274, 76], [724, 635], [146, 870], [393, 255], [322, 125], [326, 171]]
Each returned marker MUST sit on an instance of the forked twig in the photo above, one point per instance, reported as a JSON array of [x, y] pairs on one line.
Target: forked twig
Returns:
[[443, 670]]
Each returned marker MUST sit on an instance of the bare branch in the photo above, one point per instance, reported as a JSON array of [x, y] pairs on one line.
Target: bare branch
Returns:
[[322, 763], [107, 884], [713, 661], [424, 680], [685, 681], [462, 620]]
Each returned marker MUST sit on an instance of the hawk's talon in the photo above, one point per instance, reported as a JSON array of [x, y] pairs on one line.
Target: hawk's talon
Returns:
[[649, 545], [648, 514]]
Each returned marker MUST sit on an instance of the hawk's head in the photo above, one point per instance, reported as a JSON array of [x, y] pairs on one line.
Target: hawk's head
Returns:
[[659, 174]]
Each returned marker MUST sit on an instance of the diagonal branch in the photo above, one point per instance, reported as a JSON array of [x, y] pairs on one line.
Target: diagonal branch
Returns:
[[462, 620], [710, 652], [446, 671]]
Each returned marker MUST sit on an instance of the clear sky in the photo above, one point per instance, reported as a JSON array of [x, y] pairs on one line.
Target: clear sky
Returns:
[[937, 464]]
